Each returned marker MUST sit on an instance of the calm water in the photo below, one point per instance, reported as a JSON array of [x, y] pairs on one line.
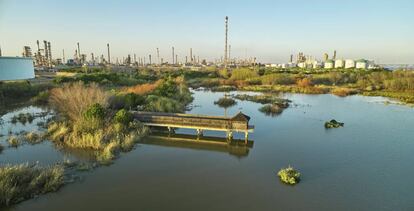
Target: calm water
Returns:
[[367, 165]]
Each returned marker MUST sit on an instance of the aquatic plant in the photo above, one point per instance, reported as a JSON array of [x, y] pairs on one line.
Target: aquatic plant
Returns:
[[333, 124], [289, 175], [14, 141], [271, 109], [264, 99], [22, 118], [21, 182], [33, 138], [343, 92], [41, 98], [225, 102]]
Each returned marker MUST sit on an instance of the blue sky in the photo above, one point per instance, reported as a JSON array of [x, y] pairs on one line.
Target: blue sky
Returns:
[[270, 30]]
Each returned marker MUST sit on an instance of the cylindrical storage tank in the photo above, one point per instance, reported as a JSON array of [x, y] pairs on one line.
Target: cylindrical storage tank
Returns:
[[16, 68], [361, 64], [339, 63], [329, 64], [349, 63]]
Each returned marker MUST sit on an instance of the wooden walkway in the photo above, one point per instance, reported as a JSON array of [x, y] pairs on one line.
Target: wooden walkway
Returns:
[[237, 123]]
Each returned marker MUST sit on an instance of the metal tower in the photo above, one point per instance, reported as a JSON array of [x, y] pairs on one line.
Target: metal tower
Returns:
[[109, 55], [226, 22]]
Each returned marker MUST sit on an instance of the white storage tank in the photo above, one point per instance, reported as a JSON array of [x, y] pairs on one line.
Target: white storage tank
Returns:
[[361, 64], [349, 63], [16, 68], [339, 63], [329, 64]]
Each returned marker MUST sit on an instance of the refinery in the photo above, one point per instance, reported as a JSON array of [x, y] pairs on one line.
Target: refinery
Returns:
[[43, 59]]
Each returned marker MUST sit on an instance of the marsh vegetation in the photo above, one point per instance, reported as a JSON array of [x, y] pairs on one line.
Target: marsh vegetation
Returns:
[[289, 175], [24, 181]]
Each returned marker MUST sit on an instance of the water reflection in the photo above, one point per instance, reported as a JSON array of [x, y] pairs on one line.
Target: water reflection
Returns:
[[236, 147]]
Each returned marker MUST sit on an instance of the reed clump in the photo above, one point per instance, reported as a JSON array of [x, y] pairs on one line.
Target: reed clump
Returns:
[[14, 141], [21, 182], [343, 92], [225, 102]]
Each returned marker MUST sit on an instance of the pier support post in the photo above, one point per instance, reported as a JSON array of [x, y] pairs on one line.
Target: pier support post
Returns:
[[199, 132], [170, 130], [229, 135]]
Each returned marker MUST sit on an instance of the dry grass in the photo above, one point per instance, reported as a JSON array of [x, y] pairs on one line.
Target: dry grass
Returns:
[[143, 88], [305, 82], [343, 92], [73, 99]]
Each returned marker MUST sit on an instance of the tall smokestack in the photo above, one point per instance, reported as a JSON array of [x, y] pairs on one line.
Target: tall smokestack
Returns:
[[109, 54], [158, 56], [176, 58], [226, 22], [173, 55], [49, 50], [150, 61], [63, 56], [79, 52], [191, 55], [46, 49]]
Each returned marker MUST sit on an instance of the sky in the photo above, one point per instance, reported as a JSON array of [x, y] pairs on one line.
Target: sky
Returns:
[[270, 30]]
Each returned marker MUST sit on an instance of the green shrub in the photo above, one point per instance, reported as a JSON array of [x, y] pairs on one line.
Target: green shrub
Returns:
[[289, 175], [162, 104], [167, 88], [123, 117], [95, 111], [133, 100]]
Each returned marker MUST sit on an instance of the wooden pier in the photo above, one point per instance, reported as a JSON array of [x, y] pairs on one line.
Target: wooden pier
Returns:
[[237, 123]]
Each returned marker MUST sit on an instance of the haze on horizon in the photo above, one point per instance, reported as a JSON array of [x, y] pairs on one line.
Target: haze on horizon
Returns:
[[270, 30]]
